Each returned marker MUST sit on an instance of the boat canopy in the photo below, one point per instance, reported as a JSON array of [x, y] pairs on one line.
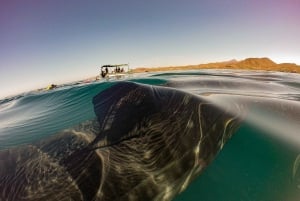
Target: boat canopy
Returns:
[[113, 66]]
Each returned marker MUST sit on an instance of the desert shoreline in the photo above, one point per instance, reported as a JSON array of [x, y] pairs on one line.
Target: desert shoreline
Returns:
[[265, 64]]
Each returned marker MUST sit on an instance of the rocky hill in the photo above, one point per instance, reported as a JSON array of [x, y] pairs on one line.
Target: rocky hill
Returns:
[[256, 62]]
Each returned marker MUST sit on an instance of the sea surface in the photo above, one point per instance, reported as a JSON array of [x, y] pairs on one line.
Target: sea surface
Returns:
[[259, 162]]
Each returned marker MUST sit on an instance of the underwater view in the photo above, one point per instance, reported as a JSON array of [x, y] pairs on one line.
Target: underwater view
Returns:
[[209, 135]]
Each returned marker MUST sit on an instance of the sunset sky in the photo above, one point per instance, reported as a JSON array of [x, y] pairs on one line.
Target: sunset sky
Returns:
[[57, 41]]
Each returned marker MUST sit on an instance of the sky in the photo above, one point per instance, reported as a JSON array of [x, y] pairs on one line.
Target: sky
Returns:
[[58, 41]]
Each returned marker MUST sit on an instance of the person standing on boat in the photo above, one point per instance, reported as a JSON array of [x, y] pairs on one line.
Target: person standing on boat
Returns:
[[103, 73]]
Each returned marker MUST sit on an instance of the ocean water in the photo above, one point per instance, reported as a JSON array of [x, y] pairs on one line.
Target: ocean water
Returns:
[[198, 135]]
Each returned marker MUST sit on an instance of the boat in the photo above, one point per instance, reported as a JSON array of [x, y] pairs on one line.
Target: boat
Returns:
[[114, 71]]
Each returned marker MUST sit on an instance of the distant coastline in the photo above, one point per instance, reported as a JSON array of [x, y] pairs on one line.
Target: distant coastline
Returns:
[[246, 64]]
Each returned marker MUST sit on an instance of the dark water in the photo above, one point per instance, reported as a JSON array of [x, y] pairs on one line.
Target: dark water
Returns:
[[259, 162]]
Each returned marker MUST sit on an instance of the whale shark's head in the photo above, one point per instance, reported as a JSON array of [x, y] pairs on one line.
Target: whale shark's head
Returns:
[[127, 107]]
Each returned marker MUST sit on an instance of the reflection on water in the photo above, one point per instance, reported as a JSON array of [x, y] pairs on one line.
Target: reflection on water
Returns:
[[261, 161]]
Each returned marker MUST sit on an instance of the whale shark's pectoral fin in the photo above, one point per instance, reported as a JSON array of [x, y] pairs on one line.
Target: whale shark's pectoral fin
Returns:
[[85, 167]]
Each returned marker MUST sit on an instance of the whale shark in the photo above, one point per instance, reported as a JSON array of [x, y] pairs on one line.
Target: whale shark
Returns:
[[145, 143]]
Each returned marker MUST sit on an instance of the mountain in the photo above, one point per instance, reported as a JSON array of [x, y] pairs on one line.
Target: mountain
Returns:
[[256, 62]]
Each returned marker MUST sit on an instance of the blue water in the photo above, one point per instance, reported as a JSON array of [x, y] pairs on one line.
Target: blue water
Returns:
[[259, 162]]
